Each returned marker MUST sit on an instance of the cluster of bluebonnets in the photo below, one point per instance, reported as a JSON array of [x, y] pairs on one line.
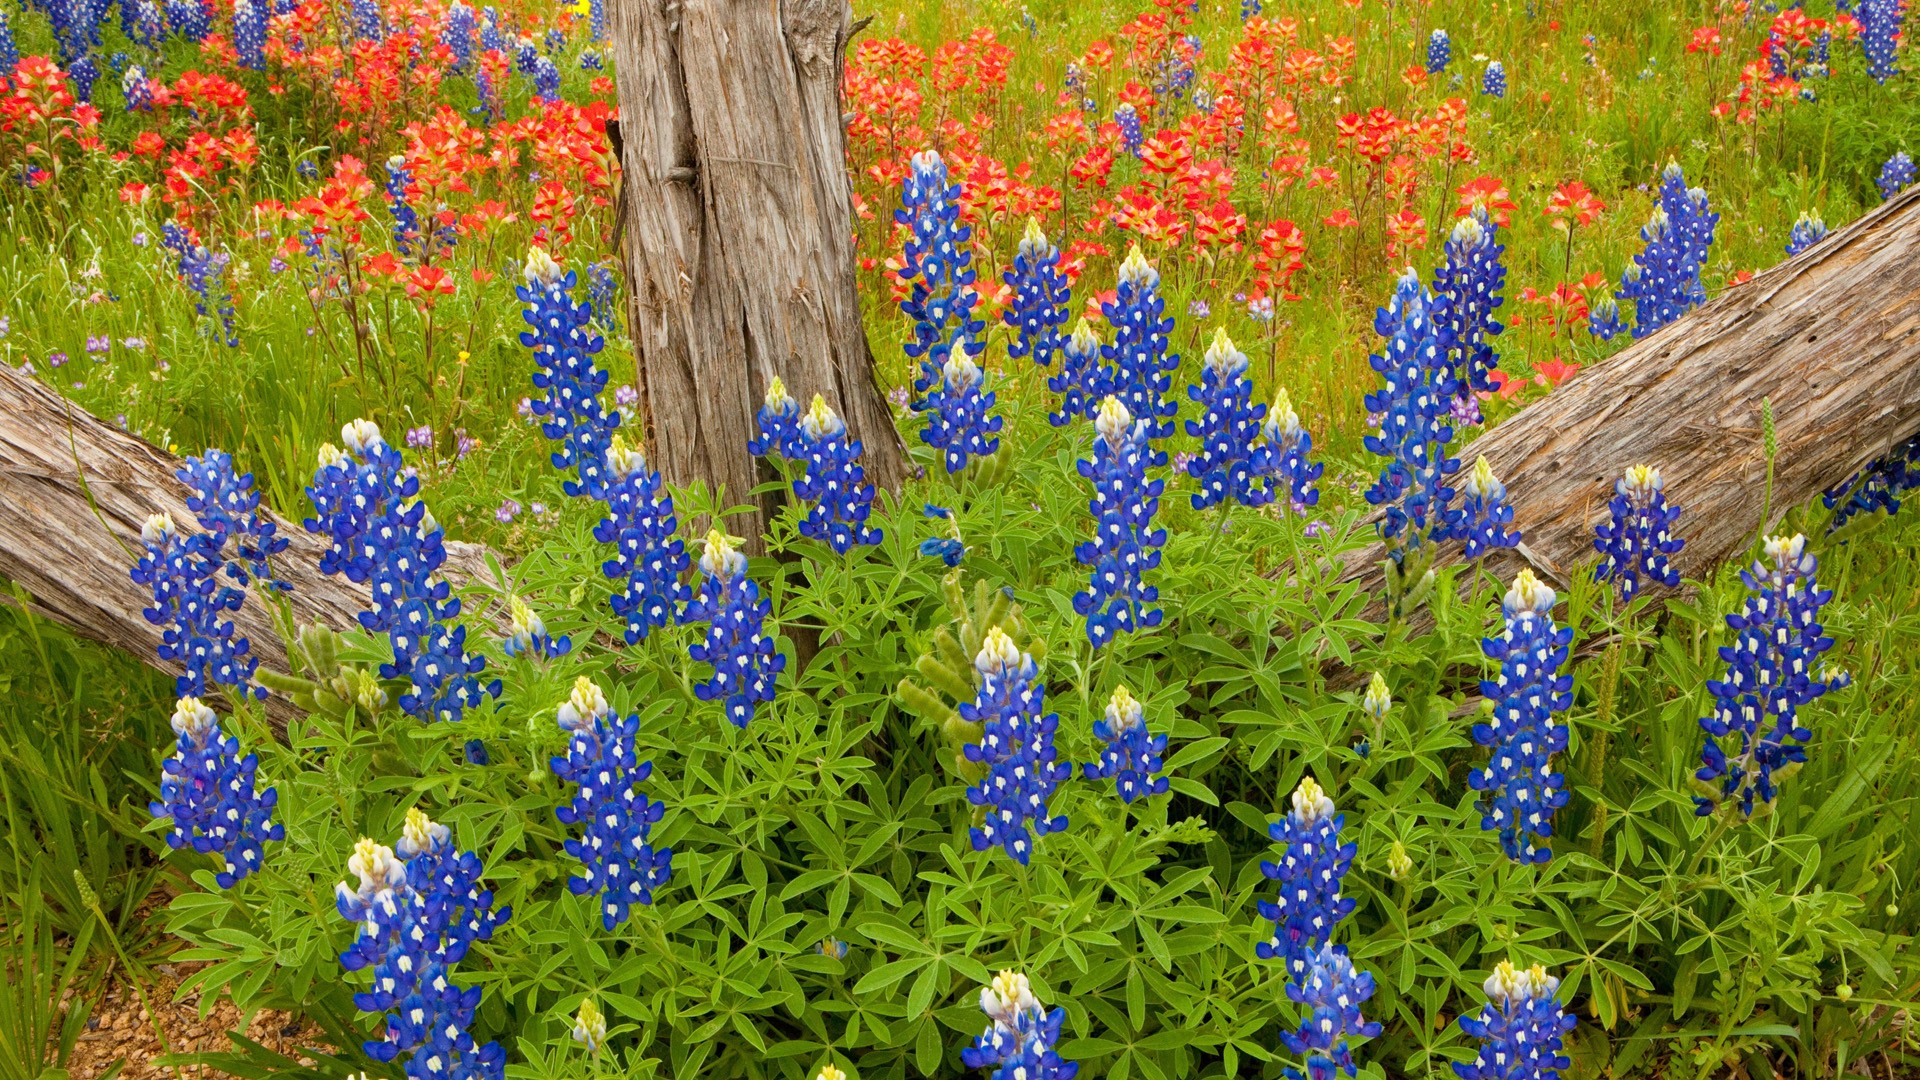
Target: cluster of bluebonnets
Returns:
[[1664, 280], [419, 905]]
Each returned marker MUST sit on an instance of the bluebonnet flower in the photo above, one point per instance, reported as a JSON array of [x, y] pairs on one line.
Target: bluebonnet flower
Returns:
[[779, 421], [1040, 298], [1125, 544], [135, 88], [1083, 381], [250, 34], [526, 53], [1131, 758], [949, 549], [1310, 872], [1484, 513], [1880, 35], [1413, 408], [1877, 487], [1895, 175], [368, 22], [419, 907], [546, 79], [960, 423], [937, 266], [1604, 320], [415, 244], [1777, 638], [1130, 133], [1248, 9], [9, 49], [1494, 83], [1637, 538], [1466, 292], [188, 18], [1331, 992], [1228, 425], [190, 605], [475, 751], [591, 60], [617, 860], [459, 36], [83, 73], [597, 19], [1807, 231], [1439, 52], [1378, 700], [603, 293], [1664, 280], [590, 1027], [491, 105], [527, 635], [1520, 1028], [648, 559], [490, 35], [1015, 749], [1521, 790], [228, 508], [834, 482], [745, 662], [205, 273], [564, 345], [207, 790], [1282, 457], [379, 534], [1020, 1041], [1142, 365]]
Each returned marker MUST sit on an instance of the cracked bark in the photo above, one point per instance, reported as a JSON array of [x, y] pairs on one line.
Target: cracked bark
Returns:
[[738, 225]]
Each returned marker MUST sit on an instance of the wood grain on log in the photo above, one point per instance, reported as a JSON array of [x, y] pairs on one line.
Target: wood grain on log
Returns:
[[738, 232], [1831, 337], [74, 493]]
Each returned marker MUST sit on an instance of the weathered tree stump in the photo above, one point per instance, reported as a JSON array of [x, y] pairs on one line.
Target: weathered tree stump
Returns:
[[738, 222]]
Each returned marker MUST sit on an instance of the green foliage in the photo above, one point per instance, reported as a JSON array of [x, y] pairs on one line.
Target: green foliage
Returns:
[[838, 817]]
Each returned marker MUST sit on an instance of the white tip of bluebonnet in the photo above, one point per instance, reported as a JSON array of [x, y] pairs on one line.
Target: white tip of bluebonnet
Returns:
[[1007, 996], [624, 460], [541, 269], [820, 420], [420, 833], [1481, 483], [192, 718], [1123, 710], [1223, 357], [1034, 243], [777, 399], [998, 653], [373, 863], [1136, 271], [721, 558], [1310, 802], [586, 704], [361, 435], [1377, 699], [1786, 550], [590, 1027], [1529, 593], [1113, 421], [157, 528], [1084, 340]]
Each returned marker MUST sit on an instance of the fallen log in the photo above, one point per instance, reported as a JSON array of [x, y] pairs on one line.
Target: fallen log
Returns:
[[1831, 337], [74, 492]]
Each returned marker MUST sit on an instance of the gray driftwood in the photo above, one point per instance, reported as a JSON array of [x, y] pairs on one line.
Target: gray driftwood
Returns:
[[74, 493], [1831, 337], [738, 230]]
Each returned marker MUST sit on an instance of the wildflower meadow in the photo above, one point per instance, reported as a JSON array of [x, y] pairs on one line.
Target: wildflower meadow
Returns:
[[1110, 744]]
